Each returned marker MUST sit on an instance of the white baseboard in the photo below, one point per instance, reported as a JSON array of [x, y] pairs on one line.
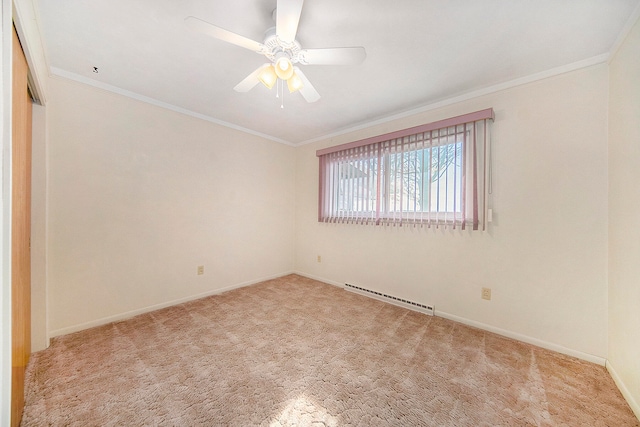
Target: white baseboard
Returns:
[[525, 338], [132, 313], [635, 406], [506, 333], [319, 279]]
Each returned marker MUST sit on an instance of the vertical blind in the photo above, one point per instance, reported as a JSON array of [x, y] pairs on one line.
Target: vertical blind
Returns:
[[435, 174]]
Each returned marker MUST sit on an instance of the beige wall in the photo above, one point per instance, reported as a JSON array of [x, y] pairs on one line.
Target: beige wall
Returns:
[[139, 196], [624, 215], [545, 255]]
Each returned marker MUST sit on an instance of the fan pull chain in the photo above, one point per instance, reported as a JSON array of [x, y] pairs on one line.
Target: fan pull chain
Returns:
[[280, 92]]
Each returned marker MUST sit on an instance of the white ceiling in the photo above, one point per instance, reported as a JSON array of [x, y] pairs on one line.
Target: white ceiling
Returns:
[[419, 52]]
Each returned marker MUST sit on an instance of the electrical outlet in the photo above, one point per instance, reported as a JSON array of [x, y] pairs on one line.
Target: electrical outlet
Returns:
[[200, 270], [319, 258], [486, 293]]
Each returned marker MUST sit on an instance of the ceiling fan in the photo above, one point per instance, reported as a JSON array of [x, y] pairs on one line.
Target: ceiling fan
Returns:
[[283, 51]]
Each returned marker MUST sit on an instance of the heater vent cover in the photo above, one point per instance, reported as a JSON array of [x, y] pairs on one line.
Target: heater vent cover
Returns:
[[412, 305]]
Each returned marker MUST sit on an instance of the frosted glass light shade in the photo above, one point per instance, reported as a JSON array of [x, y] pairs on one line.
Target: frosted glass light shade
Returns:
[[284, 68], [294, 83], [268, 76]]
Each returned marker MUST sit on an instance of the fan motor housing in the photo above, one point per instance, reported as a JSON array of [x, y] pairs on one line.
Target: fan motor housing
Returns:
[[273, 46]]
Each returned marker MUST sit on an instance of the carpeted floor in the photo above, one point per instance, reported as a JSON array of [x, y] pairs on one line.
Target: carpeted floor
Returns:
[[294, 351]]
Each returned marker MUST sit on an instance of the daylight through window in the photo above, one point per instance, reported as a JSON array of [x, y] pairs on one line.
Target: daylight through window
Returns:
[[434, 174]]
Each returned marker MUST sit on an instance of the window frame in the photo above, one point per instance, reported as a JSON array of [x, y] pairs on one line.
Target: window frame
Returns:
[[377, 150]]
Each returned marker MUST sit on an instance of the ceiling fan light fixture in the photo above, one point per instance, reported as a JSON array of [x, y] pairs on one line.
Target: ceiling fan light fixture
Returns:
[[268, 76], [294, 83], [282, 50]]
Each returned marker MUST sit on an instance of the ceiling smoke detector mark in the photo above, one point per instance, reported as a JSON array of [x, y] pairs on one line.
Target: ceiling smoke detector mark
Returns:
[[486, 293]]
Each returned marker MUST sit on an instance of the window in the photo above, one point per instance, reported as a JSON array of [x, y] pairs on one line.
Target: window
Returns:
[[433, 174]]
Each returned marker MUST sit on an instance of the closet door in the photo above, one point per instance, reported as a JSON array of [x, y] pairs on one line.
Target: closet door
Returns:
[[20, 231]]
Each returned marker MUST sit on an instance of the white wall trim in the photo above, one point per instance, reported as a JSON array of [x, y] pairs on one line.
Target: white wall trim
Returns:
[[25, 17], [628, 26], [635, 406], [6, 31], [525, 338], [509, 334], [57, 72], [600, 59], [319, 279], [132, 313]]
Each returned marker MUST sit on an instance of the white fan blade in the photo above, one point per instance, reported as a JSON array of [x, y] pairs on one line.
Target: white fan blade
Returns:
[[308, 92], [287, 18], [333, 56], [220, 33], [250, 81]]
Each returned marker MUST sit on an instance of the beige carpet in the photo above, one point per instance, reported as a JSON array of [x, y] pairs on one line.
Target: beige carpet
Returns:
[[294, 351]]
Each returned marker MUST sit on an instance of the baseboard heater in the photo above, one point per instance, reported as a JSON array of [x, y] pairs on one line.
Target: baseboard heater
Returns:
[[423, 308]]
